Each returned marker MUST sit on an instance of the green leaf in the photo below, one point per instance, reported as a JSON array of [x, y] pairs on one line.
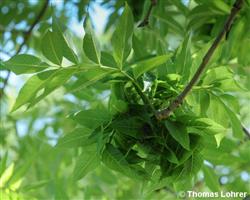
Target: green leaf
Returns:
[[25, 64], [207, 125], [190, 167], [47, 81], [204, 102], [86, 162], [128, 126], [67, 51], [107, 59], [91, 76], [90, 48], [170, 155], [137, 44], [34, 185], [221, 6], [60, 77], [3, 163], [211, 179], [179, 133], [52, 47], [20, 171], [30, 88], [171, 23], [92, 118], [184, 59], [149, 64], [6, 175], [115, 160], [235, 123], [76, 138], [121, 37]]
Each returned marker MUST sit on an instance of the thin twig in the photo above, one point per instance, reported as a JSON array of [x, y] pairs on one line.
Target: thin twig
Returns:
[[25, 39], [245, 131], [145, 21], [163, 114]]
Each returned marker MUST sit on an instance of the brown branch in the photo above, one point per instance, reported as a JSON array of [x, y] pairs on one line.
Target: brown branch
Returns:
[[145, 21], [26, 37], [163, 114]]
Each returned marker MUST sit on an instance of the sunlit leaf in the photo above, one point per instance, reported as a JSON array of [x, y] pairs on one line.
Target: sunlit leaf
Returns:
[[25, 64], [66, 49], [52, 47], [149, 64], [123, 32]]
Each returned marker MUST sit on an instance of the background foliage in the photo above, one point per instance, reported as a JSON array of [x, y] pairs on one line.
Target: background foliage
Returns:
[[82, 125]]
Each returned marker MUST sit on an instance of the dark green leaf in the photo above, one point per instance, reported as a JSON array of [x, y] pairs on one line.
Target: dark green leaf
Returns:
[[179, 133], [92, 118]]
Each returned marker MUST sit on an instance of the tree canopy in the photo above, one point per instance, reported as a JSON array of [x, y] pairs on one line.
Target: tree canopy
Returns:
[[153, 106]]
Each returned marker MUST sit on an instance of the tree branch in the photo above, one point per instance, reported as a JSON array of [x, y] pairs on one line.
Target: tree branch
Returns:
[[163, 114], [145, 21], [25, 39]]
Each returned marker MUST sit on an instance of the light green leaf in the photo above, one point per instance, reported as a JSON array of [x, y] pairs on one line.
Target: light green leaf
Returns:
[[121, 37], [92, 118], [91, 76], [179, 133], [67, 51], [30, 88], [6, 175], [90, 48], [207, 125], [34, 185], [235, 123], [52, 47], [25, 64], [76, 138], [221, 6], [47, 81], [20, 171], [211, 179], [86, 162], [60, 77], [149, 64]]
